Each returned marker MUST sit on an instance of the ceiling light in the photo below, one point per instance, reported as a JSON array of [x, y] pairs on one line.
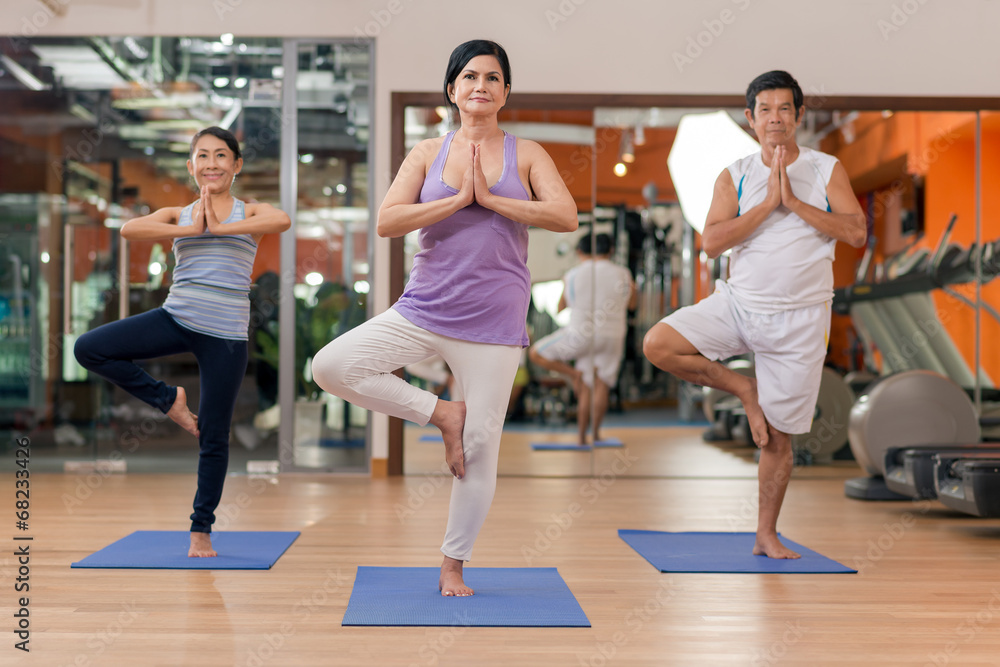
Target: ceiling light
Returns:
[[620, 169], [341, 188], [240, 82], [327, 190], [314, 278], [306, 159], [221, 81], [640, 135], [227, 39], [626, 149]]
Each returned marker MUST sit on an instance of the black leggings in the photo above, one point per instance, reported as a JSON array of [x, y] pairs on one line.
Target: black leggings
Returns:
[[110, 351]]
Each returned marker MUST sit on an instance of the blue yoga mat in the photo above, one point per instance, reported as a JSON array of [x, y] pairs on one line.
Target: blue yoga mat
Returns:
[[721, 552], [505, 597], [167, 550], [431, 437], [609, 442], [556, 446]]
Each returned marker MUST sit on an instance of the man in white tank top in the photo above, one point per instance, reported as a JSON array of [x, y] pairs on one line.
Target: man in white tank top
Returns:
[[599, 294], [781, 211]]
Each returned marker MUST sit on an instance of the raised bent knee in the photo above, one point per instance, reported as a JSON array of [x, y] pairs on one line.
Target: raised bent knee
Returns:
[[84, 351], [656, 348], [328, 371]]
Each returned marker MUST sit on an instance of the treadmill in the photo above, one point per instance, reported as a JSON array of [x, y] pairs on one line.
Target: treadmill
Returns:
[[969, 482]]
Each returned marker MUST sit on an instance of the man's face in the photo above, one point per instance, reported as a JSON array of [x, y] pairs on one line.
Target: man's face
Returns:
[[774, 118]]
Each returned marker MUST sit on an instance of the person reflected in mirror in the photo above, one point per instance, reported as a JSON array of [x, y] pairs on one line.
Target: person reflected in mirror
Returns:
[[599, 294]]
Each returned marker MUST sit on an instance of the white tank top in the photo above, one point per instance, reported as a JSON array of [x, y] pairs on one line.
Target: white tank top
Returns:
[[600, 297], [786, 263]]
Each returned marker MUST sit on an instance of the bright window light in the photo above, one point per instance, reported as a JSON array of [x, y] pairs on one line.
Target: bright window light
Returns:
[[705, 145]]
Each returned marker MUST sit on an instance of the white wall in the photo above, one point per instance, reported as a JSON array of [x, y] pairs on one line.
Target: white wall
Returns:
[[851, 47]]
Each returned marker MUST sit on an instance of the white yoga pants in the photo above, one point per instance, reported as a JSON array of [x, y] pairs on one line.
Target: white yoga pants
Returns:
[[358, 365]]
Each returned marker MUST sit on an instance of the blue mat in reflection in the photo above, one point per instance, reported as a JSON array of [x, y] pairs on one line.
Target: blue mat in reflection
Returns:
[[167, 550], [505, 597], [721, 552], [431, 437], [556, 446], [609, 442]]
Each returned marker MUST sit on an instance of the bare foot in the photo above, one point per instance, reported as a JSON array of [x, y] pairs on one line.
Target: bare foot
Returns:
[[201, 546], [179, 413], [451, 583], [449, 416], [770, 546], [755, 416]]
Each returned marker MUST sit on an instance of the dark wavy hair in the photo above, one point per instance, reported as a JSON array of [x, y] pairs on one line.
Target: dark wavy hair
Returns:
[[219, 133], [461, 56], [774, 80]]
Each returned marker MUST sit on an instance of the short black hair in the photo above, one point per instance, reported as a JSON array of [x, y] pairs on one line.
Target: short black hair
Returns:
[[601, 241], [218, 132], [461, 56], [774, 80]]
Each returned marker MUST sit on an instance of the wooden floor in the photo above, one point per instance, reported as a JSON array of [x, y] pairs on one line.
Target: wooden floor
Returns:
[[928, 591]]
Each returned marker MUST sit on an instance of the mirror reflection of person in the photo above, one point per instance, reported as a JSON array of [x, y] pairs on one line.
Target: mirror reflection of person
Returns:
[[207, 313], [472, 195], [781, 211], [599, 294]]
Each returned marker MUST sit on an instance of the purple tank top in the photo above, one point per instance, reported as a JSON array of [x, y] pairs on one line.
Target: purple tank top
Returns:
[[470, 279]]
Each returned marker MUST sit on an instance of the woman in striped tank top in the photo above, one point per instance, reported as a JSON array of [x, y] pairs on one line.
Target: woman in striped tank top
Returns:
[[472, 195], [206, 313]]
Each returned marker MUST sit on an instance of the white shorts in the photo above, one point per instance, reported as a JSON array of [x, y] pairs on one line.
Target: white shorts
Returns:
[[789, 349], [604, 357]]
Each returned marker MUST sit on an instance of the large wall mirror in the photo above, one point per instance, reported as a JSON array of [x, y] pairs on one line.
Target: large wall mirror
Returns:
[[916, 166]]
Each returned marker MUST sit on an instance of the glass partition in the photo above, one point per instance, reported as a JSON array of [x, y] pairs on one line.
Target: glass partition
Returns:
[[97, 131]]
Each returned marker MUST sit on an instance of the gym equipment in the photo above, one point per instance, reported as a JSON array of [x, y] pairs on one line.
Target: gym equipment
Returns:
[[968, 482], [905, 410], [910, 470], [724, 411], [828, 434], [721, 552]]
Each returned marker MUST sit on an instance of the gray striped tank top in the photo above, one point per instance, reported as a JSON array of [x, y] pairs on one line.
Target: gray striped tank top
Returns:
[[211, 281]]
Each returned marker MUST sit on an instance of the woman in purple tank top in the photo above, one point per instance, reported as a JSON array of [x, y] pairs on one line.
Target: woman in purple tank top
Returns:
[[472, 195]]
